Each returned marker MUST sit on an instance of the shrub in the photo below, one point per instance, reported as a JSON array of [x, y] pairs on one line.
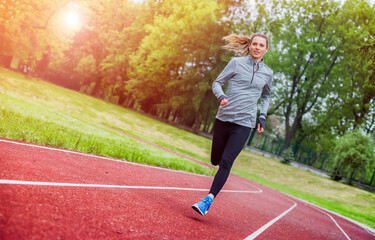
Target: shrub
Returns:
[[288, 156], [353, 152]]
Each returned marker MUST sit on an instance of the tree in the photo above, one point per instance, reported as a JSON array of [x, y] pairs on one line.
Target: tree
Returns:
[[29, 30], [352, 105], [354, 151], [305, 53], [171, 71], [124, 43], [96, 46]]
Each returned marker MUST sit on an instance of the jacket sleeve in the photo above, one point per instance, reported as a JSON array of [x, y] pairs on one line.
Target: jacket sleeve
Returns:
[[228, 72], [266, 93]]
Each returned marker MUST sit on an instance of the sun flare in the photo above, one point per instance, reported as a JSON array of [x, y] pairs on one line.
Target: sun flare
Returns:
[[72, 19]]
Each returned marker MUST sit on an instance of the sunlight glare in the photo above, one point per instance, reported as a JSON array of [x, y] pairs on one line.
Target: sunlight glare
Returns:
[[72, 19]]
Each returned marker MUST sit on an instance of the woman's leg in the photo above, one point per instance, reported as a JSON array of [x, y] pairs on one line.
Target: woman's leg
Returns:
[[236, 139], [228, 141], [219, 140]]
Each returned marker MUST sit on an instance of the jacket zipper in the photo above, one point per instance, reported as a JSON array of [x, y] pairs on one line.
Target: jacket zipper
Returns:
[[253, 73]]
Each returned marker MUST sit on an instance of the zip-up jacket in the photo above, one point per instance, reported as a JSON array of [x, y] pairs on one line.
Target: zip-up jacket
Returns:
[[248, 80]]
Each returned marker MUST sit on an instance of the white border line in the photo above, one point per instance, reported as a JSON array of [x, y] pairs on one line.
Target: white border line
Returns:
[[262, 229], [333, 221], [367, 228], [100, 157], [35, 183], [113, 159]]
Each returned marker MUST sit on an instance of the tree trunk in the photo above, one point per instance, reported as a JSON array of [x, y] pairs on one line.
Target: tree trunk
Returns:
[[350, 182], [122, 98], [96, 88], [130, 103], [369, 94], [292, 131], [175, 116], [197, 126], [167, 114]]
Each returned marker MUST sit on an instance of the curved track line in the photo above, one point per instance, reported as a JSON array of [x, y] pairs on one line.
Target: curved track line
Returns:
[[346, 235], [363, 226], [33, 183], [269, 224]]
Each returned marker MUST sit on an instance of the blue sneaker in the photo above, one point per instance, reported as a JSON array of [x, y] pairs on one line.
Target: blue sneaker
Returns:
[[203, 206]]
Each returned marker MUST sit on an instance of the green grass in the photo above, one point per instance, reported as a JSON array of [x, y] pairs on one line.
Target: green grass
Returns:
[[346, 200], [36, 111]]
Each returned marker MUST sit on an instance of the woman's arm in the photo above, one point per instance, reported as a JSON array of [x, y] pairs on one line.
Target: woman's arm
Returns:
[[222, 79], [264, 104], [266, 93]]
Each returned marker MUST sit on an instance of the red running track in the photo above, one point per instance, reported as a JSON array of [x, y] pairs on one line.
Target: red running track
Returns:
[[49, 193]]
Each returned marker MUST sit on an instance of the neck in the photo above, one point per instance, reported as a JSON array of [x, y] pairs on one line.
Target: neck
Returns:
[[258, 60]]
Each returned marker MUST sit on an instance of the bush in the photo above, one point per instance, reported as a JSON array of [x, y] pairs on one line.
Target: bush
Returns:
[[354, 151], [288, 156]]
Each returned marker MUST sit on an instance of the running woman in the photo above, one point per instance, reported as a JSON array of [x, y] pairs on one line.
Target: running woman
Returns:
[[248, 79]]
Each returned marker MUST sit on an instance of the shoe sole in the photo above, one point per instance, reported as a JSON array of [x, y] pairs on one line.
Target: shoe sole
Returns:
[[196, 208]]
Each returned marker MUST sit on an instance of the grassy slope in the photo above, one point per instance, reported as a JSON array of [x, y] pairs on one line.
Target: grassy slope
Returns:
[[35, 111]]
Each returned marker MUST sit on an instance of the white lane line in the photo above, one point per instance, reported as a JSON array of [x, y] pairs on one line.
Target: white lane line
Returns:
[[361, 225], [34, 183], [347, 237], [262, 229], [96, 156], [115, 160]]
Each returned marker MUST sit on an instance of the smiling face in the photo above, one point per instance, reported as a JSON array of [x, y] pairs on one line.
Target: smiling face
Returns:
[[258, 47]]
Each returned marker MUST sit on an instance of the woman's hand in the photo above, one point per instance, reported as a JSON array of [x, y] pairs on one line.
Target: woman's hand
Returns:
[[260, 129], [224, 102]]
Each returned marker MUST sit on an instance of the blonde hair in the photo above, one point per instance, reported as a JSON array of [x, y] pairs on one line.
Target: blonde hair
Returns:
[[240, 44]]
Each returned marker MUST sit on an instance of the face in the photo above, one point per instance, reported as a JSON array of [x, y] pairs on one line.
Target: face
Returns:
[[258, 48]]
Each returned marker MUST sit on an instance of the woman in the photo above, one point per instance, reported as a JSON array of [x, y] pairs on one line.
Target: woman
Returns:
[[248, 78]]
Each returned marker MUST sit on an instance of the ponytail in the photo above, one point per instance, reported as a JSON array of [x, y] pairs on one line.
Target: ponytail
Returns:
[[240, 44]]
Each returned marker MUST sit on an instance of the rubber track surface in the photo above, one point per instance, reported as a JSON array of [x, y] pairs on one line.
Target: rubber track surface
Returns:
[[68, 195]]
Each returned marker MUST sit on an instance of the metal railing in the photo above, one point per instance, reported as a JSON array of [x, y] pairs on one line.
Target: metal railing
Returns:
[[307, 156]]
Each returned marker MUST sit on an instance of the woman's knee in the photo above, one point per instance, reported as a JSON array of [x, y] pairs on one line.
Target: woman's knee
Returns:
[[215, 160], [226, 163]]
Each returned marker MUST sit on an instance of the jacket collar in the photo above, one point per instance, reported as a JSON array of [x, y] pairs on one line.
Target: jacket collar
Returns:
[[252, 61]]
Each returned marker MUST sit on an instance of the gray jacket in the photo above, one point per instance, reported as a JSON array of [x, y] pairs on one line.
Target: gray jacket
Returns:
[[245, 85]]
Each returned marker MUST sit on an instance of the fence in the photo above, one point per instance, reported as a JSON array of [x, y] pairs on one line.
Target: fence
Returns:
[[308, 156]]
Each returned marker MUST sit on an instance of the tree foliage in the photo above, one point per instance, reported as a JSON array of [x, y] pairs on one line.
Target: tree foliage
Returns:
[[29, 29], [352, 104], [161, 57], [354, 151], [322, 55], [158, 56], [305, 53], [171, 71]]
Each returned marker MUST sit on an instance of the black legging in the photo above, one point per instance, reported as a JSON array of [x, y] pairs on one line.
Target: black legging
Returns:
[[228, 141]]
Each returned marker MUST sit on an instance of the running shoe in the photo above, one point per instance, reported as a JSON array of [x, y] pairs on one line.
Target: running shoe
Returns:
[[203, 206]]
